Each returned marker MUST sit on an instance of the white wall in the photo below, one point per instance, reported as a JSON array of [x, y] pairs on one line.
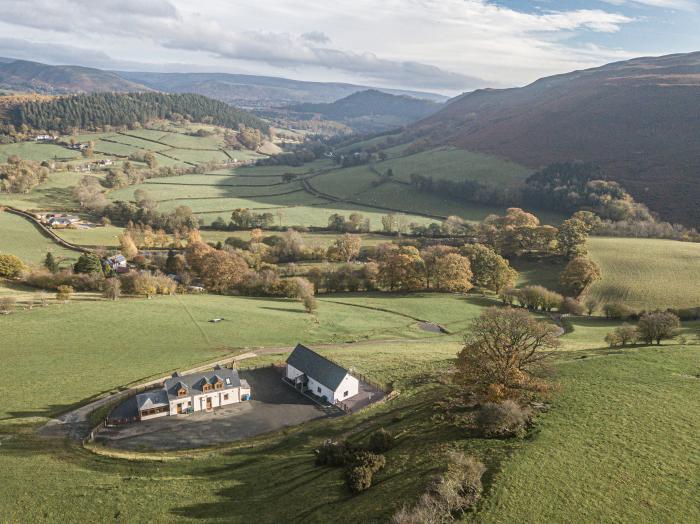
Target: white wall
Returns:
[[320, 390], [349, 384], [291, 372], [148, 417]]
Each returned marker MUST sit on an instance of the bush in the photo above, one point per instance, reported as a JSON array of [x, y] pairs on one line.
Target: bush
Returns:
[[7, 305], [63, 293], [572, 307], [365, 459], [452, 493], [502, 419], [358, 478], [333, 453], [381, 440], [617, 311]]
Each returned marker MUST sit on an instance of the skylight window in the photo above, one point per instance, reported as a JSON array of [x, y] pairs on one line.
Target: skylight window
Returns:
[[228, 381]]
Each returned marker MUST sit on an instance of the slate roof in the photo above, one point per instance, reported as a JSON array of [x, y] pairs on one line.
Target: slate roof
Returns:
[[194, 382], [317, 367], [151, 399]]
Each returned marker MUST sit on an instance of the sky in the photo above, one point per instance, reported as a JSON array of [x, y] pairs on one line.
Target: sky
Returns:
[[445, 46]]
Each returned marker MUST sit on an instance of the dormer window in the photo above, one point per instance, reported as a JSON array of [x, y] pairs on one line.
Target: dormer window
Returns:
[[206, 387], [181, 392], [219, 385]]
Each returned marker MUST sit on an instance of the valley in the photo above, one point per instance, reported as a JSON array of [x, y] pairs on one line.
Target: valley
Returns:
[[522, 317]]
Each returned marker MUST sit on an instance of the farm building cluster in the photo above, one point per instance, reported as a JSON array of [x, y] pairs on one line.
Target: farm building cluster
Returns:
[[308, 372]]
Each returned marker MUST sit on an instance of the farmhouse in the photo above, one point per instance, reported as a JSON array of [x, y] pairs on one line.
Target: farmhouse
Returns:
[[183, 394], [308, 371], [118, 263]]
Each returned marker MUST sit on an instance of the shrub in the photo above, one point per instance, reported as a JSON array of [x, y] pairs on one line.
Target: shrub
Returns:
[[612, 339], [460, 487], [381, 440], [658, 325], [572, 306], [365, 459], [358, 478], [452, 493], [7, 304], [63, 293], [617, 311], [332, 453], [502, 419]]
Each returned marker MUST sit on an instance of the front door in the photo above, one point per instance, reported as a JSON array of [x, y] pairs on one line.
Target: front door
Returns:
[[208, 403], [179, 409]]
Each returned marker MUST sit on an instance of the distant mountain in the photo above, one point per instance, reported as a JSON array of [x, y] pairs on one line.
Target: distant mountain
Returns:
[[33, 76], [256, 91], [371, 103], [639, 120]]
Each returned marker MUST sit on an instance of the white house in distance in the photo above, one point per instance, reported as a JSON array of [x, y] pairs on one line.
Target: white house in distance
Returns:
[[309, 371], [183, 394]]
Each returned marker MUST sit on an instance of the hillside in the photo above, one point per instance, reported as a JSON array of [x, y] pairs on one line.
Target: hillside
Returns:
[[366, 109], [639, 120], [256, 91], [100, 109], [61, 79]]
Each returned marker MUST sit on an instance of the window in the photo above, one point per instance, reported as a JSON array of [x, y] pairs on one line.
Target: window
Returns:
[[226, 396], [318, 389], [181, 392], [345, 394], [219, 385], [207, 387]]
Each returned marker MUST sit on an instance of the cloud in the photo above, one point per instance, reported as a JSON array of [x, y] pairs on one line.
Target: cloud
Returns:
[[681, 5], [451, 45]]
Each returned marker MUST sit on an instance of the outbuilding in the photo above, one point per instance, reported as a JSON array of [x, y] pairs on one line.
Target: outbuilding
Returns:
[[310, 372]]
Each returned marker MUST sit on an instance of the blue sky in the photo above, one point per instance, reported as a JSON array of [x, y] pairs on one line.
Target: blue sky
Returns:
[[447, 46]]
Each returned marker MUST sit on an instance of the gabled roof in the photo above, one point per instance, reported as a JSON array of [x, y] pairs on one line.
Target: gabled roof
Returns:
[[194, 382], [317, 367], [151, 399]]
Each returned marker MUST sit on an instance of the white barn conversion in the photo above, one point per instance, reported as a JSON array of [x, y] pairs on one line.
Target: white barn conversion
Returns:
[[310, 372], [182, 394]]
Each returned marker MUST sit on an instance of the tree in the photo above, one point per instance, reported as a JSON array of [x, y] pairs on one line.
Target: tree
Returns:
[[657, 326], [453, 273], [150, 160], [345, 248], [572, 306], [591, 305], [303, 290], [50, 263], [400, 268], [572, 236], [11, 266], [88, 263], [490, 270], [222, 271], [580, 273], [64, 293], [112, 288], [503, 347], [127, 246]]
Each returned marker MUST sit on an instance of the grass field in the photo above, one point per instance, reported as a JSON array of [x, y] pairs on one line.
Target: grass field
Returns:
[[647, 273], [21, 238], [37, 151], [617, 445], [55, 194]]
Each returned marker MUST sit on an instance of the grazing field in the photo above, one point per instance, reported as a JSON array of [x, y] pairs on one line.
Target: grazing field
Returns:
[[647, 273], [617, 444], [155, 336], [21, 238], [37, 151], [55, 194], [456, 164]]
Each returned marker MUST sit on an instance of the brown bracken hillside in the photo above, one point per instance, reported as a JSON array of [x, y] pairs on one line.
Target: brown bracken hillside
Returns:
[[639, 120]]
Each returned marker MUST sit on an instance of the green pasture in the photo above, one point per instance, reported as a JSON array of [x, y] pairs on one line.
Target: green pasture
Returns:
[[647, 273], [37, 151], [20, 237]]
